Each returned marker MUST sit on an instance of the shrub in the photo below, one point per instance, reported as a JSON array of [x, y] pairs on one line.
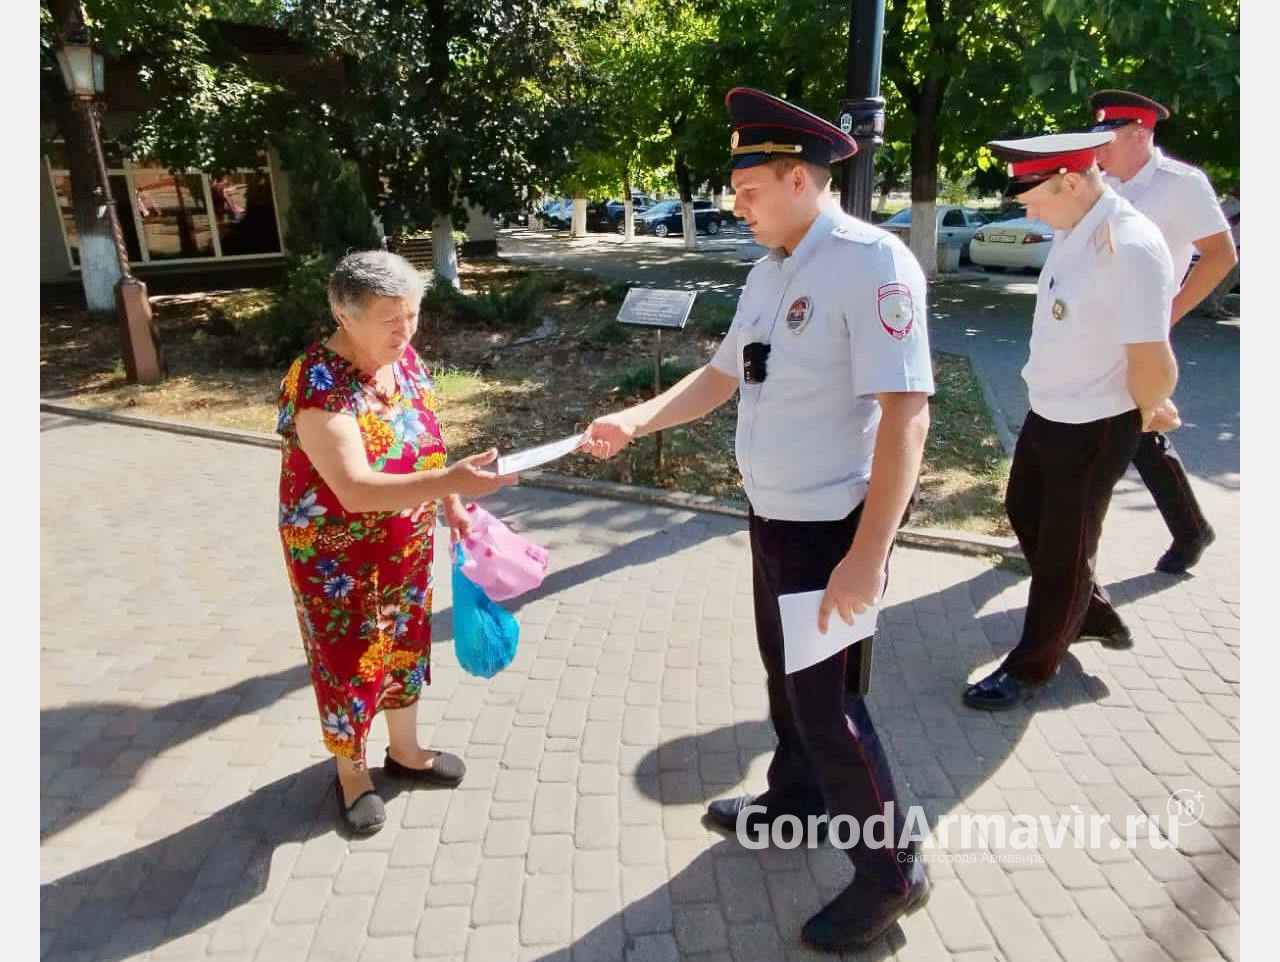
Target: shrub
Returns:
[[515, 309], [271, 329], [638, 378]]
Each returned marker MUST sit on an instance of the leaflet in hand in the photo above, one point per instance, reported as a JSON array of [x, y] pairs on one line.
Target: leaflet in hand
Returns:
[[802, 644], [534, 457]]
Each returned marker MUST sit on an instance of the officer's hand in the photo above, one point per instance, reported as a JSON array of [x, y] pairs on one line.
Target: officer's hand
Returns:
[[608, 435], [855, 585], [1163, 417]]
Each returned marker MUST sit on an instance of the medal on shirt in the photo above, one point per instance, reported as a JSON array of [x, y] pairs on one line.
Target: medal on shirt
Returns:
[[1059, 309], [798, 314]]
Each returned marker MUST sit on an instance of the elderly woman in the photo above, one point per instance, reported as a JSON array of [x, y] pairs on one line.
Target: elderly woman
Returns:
[[362, 468]]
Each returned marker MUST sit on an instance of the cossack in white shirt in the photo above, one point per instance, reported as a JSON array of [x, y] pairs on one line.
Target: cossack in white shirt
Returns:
[[1180, 200], [1108, 282]]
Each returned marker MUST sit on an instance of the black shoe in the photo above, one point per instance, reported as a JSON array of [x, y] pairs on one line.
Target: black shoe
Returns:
[[1180, 557], [999, 691], [724, 812], [1117, 638], [446, 769], [366, 815], [861, 915]]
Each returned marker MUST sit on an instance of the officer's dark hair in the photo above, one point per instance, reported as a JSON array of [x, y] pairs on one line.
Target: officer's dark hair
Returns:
[[818, 173]]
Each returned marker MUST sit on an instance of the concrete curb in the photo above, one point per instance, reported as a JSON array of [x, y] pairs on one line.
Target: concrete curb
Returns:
[[933, 539]]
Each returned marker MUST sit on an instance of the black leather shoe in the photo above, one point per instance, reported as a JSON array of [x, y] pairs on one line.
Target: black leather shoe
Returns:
[[366, 815], [861, 915], [446, 769], [724, 812], [1180, 557], [999, 691], [1117, 638]]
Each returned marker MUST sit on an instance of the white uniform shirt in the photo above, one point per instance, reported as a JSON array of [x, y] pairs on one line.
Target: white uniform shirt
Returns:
[[845, 318], [1106, 283], [1181, 201]]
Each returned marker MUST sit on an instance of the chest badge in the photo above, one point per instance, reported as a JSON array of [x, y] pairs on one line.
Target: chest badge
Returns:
[[798, 314], [1059, 309]]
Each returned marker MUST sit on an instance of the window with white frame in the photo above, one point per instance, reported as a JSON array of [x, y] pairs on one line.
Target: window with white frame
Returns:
[[185, 217]]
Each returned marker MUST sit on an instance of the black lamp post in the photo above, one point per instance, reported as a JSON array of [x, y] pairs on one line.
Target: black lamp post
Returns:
[[862, 110], [83, 73]]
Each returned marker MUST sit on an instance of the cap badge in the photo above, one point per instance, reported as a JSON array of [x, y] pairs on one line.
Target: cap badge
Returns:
[[733, 140], [1059, 309], [1102, 114], [798, 314]]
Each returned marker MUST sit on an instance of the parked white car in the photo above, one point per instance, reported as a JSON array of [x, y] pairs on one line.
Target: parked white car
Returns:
[[953, 223], [1012, 240]]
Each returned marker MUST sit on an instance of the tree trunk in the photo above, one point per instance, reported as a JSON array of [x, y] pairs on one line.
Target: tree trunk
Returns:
[[690, 227], [925, 147], [579, 220], [99, 265], [444, 250]]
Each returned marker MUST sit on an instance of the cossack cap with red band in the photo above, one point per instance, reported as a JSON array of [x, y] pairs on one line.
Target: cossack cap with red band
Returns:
[[1033, 160], [1116, 108], [765, 128]]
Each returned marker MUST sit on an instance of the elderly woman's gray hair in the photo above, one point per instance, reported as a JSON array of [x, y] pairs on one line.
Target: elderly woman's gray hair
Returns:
[[366, 274]]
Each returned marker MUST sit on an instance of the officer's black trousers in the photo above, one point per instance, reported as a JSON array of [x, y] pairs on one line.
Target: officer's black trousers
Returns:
[[828, 756], [1060, 486], [1163, 474]]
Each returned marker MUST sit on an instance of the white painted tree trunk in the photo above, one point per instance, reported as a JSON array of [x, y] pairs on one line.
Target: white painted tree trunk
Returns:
[[579, 223], [444, 250], [924, 235], [884, 200], [690, 226], [628, 219], [99, 272]]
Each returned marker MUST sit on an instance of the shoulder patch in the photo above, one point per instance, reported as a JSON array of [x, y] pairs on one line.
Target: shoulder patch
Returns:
[[896, 309]]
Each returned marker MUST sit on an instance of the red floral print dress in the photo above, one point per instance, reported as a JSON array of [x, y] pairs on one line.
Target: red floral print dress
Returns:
[[361, 582]]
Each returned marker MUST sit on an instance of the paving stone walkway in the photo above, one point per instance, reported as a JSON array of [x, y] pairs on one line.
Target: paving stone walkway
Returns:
[[186, 799]]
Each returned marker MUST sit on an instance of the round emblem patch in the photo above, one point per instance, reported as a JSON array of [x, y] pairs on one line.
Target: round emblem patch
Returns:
[[733, 140], [798, 314], [896, 309]]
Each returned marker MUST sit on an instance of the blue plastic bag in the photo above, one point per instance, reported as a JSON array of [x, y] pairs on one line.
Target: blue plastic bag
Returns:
[[484, 633]]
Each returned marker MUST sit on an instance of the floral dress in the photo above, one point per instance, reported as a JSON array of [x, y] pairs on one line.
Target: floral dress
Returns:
[[361, 582]]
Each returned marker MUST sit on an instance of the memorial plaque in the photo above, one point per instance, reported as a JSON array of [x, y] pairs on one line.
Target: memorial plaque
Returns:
[[648, 307]]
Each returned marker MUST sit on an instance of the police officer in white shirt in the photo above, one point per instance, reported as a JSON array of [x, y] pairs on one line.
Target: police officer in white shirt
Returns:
[[830, 353], [1100, 372], [1182, 203]]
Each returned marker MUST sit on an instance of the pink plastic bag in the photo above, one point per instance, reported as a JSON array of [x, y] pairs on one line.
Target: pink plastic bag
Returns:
[[500, 562]]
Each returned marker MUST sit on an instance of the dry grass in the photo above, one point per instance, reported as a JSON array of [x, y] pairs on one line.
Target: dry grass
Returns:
[[492, 393]]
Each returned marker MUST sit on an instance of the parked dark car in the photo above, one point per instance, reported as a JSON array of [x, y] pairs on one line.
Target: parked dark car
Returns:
[[607, 216], [665, 219]]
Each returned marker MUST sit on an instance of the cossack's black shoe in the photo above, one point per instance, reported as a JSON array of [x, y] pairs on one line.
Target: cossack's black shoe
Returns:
[[999, 691], [861, 915], [725, 813], [1117, 637], [1180, 557]]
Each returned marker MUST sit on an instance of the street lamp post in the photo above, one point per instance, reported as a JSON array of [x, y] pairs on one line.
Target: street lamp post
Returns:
[[862, 110], [82, 72], [862, 117]]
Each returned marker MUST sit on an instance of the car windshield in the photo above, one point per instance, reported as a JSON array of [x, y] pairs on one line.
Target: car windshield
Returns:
[[901, 217], [1013, 213]]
